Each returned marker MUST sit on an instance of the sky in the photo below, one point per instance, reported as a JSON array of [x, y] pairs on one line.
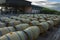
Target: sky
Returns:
[[51, 4]]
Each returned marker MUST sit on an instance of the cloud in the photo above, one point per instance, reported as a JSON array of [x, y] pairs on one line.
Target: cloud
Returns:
[[53, 5], [35, 0], [46, 3]]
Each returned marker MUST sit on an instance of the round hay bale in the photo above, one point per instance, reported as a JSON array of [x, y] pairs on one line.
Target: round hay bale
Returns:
[[11, 29], [13, 17], [14, 23], [33, 32], [12, 36], [3, 31], [21, 27], [32, 19], [22, 35], [51, 23], [42, 20], [6, 30], [56, 21], [2, 25], [7, 20], [34, 23], [3, 38], [25, 20], [44, 26]]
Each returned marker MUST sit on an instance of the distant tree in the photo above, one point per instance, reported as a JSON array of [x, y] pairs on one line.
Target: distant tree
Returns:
[[48, 11]]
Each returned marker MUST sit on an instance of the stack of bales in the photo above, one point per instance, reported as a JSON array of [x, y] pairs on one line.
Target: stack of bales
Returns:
[[3, 19], [19, 27], [28, 27], [30, 33], [20, 35]]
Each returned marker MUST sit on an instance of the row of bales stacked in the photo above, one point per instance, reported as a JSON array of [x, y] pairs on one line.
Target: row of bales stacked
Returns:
[[27, 26]]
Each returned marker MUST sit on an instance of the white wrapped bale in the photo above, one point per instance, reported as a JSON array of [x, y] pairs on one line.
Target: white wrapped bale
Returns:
[[14, 22], [56, 21], [13, 17], [3, 31], [51, 23], [6, 30], [3, 38], [4, 18], [25, 20], [41, 17], [10, 36], [2, 25], [33, 32], [34, 23], [32, 18], [20, 35], [7, 20], [59, 19], [21, 27], [11, 29], [42, 20], [44, 26]]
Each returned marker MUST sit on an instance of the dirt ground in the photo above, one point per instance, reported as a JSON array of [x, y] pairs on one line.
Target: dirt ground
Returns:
[[52, 34]]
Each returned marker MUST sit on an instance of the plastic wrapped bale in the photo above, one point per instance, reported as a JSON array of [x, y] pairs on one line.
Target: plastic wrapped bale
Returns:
[[13, 17], [25, 20], [20, 35], [56, 21], [34, 23], [14, 23], [59, 19], [6, 30], [33, 19], [11, 29], [4, 18], [50, 18], [18, 18], [42, 20], [35, 16], [21, 27], [33, 32], [24, 16], [2, 25], [41, 17], [44, 26], [51, 23], [7, 20]]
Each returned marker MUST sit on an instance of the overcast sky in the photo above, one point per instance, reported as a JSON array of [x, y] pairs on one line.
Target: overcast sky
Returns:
[[52, 4]]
